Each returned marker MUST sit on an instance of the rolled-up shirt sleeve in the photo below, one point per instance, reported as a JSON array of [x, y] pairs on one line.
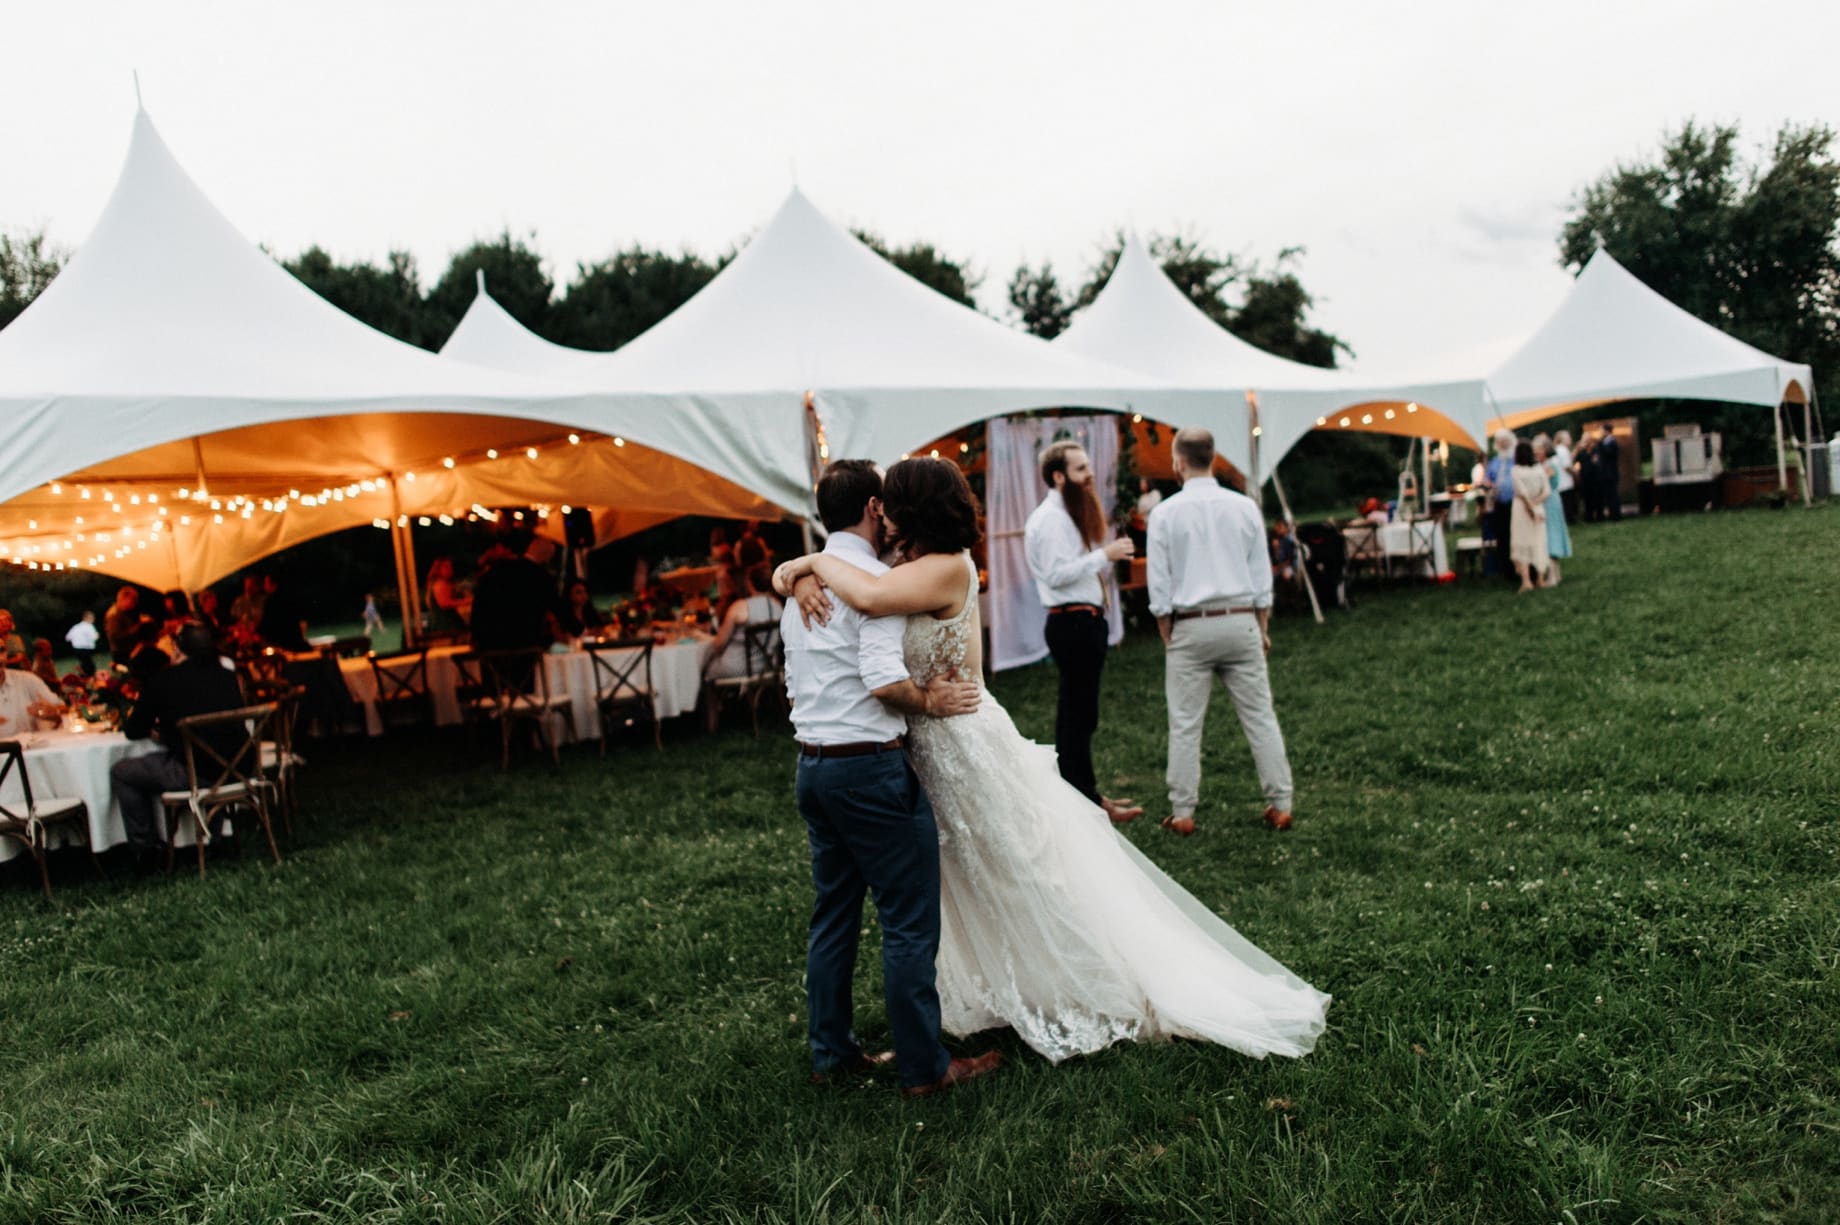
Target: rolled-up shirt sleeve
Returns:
[[880, 660], [1054, 553], [1157, 569]]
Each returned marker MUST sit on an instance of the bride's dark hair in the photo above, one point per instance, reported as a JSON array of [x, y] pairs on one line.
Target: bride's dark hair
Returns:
[[933, 509]]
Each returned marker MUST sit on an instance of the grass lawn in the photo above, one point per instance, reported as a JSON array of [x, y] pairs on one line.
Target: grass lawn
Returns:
[[1566, 861]]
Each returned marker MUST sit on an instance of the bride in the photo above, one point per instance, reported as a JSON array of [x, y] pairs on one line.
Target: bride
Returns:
[[1051, 923]]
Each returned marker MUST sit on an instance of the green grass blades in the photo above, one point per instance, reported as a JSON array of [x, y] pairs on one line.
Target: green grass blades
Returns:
[[1566, 861]]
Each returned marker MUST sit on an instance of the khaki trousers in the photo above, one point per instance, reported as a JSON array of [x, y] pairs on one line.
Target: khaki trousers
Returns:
[[1231, 648]]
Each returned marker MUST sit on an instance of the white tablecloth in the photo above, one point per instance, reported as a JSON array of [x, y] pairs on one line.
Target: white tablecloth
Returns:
[[677, 681], [76, 764], [1395, 541]]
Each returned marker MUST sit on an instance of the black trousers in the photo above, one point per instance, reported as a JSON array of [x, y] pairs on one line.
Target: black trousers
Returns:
[[1076, 641], [1568, 502], [1503, 519]]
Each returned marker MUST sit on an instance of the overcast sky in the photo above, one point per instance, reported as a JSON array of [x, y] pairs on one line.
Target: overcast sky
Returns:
[[1422, 153]]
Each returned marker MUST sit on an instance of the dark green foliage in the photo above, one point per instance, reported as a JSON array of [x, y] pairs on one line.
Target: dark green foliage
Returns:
[[1035, 295], [1565, 860], [27, 264], [1751, 248], [514, 277], [613, 301], [387, 298]]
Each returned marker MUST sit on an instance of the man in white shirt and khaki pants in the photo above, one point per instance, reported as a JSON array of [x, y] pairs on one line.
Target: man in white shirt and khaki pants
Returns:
[[1069, 556], [1209, 572]]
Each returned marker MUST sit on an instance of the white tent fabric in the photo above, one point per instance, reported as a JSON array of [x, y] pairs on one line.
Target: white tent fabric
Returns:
[[488, 336], [1012, 490], [168, 332], [1140, 320], [1614, 338], [891, 364]]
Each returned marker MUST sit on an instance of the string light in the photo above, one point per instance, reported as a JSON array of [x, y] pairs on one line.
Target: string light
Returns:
[[491, 452], [448, 462], [574, 440], [618, 441]]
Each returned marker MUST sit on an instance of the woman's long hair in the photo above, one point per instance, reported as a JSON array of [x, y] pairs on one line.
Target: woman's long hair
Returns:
[[930, 507]]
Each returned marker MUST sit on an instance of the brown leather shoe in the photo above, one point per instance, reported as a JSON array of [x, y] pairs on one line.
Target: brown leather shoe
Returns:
[[957, 1073], [862, 1065], [1276, 819], [1179, 825], [1121, 812]]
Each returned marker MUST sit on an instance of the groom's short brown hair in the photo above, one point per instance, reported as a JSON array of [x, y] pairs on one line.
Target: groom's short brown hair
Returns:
[[844, 492]]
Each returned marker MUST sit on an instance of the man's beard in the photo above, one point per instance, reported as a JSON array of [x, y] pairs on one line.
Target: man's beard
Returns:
[[1082, 505]]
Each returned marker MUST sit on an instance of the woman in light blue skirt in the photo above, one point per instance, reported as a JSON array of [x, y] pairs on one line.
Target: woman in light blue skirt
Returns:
[[1558, 536]]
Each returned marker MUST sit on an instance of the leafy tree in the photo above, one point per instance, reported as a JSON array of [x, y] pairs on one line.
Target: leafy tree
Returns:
[[27, 264], [388, 298], [1750, 247], [1035, 295], [514, 277], [1203, 276], [928, 265], [609, 303]]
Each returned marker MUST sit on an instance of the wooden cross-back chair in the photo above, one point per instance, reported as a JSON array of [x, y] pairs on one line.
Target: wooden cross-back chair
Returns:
[[623, 689], [402, 684], [218, 784], [26, 821], [515, 689], [765, 657]]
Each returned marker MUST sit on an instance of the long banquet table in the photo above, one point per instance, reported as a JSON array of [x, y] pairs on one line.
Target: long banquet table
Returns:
[[76, 765], [1396, 541], [677, 681]]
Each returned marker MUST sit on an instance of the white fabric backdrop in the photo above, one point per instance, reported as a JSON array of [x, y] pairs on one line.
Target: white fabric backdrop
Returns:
[[1012, 489]]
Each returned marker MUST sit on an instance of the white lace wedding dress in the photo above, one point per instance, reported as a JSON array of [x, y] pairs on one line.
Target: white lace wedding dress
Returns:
[[1053, 924]]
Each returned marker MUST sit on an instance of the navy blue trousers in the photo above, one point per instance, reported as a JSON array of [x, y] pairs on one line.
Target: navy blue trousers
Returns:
[[871, 830]]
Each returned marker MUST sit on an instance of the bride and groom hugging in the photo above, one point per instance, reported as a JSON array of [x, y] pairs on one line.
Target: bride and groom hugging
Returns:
[[1006, 898]]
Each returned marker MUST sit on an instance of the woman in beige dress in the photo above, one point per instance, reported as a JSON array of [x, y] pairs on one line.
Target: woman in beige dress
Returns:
[[1527, 522]]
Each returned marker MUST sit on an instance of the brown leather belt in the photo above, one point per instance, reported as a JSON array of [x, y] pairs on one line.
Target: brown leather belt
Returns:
[[861, 748], [1192, 613], [1094, 609]]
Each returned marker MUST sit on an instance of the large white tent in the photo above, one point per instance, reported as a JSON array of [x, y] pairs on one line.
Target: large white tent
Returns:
[[172, 354], [1614, 338], [488, 336], [1141, 320], [888, 364]]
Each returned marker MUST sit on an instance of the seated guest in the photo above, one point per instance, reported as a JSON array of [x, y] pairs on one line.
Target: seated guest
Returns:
[[1374, 511], [20, 691], [12, 646], [198, 685], [148, 656], [282, 626], [246, 609], [448, 606], [728, 653], [752, 549], [210, 614], [44, 667], [178, 610], [512, 601], [721, 553], [579, 615]]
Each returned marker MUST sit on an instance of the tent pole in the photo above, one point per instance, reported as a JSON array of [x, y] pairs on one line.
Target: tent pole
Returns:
[[1284, 505], [407, 597], [1252, 443], [1424, 488], [1808, 441], [1782, 466]]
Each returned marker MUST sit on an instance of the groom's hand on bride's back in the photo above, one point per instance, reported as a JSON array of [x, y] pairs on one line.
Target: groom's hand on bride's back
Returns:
[[949, 696]]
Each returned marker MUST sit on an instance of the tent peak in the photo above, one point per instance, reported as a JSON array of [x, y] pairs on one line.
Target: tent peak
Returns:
[[139, 106], [479, 279]]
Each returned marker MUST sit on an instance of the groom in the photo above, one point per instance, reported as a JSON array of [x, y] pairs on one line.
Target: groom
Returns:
[[868, 822]]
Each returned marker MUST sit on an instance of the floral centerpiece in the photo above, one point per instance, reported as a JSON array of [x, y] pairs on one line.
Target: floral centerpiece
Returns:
[[101, 699]]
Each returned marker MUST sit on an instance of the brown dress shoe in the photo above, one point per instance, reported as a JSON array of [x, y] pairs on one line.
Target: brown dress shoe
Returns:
[[1276, 819], [1121, 811], [1179, 825], [862, 1065], [957, 1073]]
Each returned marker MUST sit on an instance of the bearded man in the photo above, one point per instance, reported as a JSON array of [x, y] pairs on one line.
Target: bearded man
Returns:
[[1070, 558]]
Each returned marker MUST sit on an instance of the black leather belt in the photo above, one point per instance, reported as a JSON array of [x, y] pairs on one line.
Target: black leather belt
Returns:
[[1192, 613], [1058, 609], [861, 748]]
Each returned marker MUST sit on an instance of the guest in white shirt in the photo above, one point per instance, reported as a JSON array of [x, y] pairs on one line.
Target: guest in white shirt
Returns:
[[868, 822], [1567, 465], [1070, 560], [1210, 590], [19, 692]]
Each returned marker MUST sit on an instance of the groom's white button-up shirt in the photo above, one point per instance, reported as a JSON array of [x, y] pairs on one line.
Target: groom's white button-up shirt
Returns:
[[833, 669]]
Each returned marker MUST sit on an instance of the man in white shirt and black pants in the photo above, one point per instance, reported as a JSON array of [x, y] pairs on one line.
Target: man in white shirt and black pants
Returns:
[[1210, 589], [1064, 542], [868, 822]]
